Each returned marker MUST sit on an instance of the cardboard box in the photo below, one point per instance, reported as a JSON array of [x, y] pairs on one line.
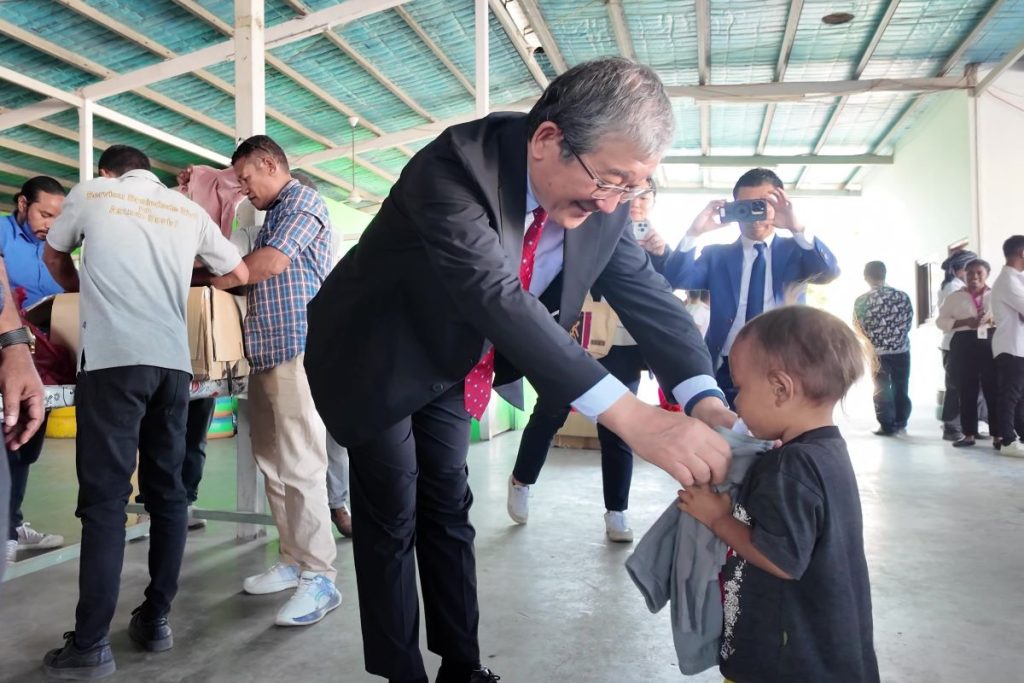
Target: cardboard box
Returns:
[[577, 425], [214, 330]]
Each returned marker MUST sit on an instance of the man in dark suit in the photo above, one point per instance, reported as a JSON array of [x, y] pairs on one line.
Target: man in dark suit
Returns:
[[757, 272], [457, 280]]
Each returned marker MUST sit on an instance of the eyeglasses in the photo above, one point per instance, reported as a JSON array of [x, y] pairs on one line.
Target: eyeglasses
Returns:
[[606, 190]]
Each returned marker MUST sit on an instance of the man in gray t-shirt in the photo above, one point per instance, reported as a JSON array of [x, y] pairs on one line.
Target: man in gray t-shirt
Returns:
[[140, 242]]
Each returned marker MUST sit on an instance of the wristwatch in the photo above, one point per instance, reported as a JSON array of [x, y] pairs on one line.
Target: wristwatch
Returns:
[[18, 335]]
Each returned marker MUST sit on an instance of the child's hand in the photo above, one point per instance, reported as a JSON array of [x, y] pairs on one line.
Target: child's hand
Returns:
[[704, 504]]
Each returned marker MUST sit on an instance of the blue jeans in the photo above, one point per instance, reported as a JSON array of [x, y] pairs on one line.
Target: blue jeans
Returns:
[[892, 387]]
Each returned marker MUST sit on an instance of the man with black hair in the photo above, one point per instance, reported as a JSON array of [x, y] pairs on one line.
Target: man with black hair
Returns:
[[885, 316], [290, 259], [134, 371], [757, 272], [1008, 348]]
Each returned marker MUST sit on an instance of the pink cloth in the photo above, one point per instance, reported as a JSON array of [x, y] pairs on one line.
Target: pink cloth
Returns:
[[217, 191]]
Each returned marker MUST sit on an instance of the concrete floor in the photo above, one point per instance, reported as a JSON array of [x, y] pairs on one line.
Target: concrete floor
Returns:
[[944, 534]]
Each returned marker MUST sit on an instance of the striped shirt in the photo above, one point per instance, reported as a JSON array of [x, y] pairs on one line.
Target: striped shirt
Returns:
[[297, 225]]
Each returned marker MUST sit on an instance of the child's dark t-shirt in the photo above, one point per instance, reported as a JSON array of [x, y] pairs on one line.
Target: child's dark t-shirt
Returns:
[[802, 503]]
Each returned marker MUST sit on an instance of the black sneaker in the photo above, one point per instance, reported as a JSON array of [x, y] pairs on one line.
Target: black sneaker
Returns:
[[952, 435], [70, 663], [153, 635], [483, 675]]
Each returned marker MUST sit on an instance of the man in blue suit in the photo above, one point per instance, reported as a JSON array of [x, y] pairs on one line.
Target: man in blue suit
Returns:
[[756, 273]]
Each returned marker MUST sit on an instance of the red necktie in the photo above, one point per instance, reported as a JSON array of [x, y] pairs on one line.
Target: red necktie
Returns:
[[480, 378]]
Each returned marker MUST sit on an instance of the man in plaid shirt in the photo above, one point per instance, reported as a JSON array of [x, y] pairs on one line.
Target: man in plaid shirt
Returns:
[[290, 259]]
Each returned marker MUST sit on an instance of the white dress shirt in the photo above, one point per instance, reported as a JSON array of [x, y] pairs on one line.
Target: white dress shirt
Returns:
[[546, 267], [954, 285], [1008, 309], [805, 240], [959, 306]]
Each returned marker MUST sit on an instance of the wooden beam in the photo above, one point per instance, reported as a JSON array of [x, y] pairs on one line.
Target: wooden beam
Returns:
[[28, 173], [726, 161], [276, 36], [547, 41], [432, 46], [519, 43], [369, 68], [623, 38], [796, 7], [282, 67]]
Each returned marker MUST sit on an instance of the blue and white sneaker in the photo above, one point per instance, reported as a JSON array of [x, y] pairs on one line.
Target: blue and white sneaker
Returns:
[[314, 598]]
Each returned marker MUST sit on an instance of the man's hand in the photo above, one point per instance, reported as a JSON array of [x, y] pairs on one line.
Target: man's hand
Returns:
[[704, 505], [714, 413], [23, 395], [184, 176], [653, 243], [684, 447], [707, 220], [785, 216]]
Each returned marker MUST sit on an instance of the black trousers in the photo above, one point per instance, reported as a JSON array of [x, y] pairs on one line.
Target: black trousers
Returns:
[[121, 410], [199, 417], [19, 462], [951, 397], [1010, 404], [892, 391], [724, 378], [626, 364], [409, 486], [974, 368]]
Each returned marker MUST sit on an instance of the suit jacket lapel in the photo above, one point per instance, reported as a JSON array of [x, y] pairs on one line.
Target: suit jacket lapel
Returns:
[[734, 264], [579, 254], [782, 254], [512, 190]]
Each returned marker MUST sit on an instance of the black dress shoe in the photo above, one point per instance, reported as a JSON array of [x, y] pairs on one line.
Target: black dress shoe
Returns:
[[966, 442], [70, 663], [153, 635], [483, 675], [884, 432]]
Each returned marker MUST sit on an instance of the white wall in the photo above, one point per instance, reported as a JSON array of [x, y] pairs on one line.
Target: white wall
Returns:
[[1000, 143]]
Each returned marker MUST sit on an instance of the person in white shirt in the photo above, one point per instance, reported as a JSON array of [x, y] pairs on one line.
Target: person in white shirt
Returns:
[[699, 307], [968, 314], [1008, 349], [955, 267]]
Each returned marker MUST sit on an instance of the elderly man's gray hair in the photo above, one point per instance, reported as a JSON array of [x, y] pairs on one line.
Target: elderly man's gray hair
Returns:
[[603, 96]]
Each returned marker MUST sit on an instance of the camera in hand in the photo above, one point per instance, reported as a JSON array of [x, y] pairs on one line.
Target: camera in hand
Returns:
[[744, 211], [641, 229]]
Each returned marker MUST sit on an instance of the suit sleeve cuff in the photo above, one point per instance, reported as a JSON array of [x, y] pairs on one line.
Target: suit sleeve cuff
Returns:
[[696, 389], [599, 397], [688, 243], [804, 239]]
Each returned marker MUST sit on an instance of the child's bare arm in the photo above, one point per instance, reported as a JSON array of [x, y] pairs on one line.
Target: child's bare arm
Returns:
[[714, 510]]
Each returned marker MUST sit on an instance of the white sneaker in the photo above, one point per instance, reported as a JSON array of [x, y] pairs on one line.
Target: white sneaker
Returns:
[[1013, 450], [30, 539], [278, 578], [313, 599], [194, 523], [12, 550], [617, 528], [518, 501]]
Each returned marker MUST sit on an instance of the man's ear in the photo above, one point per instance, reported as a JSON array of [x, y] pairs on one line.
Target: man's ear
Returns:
[[270, 163], [782, 386], [22, 204], [547, 135]]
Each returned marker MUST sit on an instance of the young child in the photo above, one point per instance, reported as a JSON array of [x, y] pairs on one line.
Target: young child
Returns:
[[796, 594]]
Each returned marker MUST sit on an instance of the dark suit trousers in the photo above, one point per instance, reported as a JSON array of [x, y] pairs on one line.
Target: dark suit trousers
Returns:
[[723, 376], [121, 410], [1010, 405], [972, 363], [411, 495], [5, 492], [626, 364]]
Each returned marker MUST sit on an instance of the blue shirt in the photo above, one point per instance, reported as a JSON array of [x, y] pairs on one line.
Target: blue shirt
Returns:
[[298, 226], [23, 256]]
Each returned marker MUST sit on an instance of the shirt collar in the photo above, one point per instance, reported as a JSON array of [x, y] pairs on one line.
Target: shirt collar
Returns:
[[142, 173], [531, 200], [23, 231], [285, 191], [749, 243]]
